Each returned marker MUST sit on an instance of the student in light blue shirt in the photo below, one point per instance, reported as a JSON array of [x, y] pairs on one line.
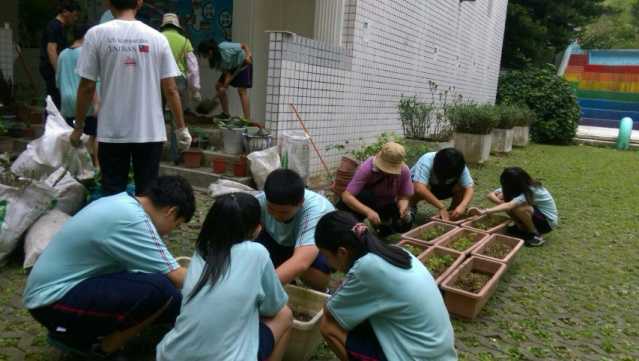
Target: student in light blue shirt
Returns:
[[442, 175], [233, 304], [389, 306], [107, 274], [289, 216], [527, 202]]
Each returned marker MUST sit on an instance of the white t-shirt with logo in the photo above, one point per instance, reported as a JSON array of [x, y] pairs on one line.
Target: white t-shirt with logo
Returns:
[[130, 58]]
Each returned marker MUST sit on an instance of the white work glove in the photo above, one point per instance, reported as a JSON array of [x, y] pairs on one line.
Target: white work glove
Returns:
[[197, 97], [183, 139]]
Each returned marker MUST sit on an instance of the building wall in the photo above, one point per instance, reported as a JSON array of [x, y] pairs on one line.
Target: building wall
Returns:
[[390, 48]]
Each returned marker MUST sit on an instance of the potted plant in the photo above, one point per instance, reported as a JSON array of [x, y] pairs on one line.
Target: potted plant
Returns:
[[489, 223], [192, 158], [414, 247], [471, 285], [499, 248], [219, 165], [503, 132], [429, 233], [441, 262], [240, 167], [521, 130], [462, 240], [457, 222], [473, 125]]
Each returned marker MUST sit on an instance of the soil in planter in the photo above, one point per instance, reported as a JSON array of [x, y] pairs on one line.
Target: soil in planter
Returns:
[[433, 232], [415, 250], [488, 222], [438, 264], [462, 243], [497, 250], [472, 281], [301, 315]]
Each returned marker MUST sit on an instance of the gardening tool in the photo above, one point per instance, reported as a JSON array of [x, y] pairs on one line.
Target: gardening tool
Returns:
[[328, 172]]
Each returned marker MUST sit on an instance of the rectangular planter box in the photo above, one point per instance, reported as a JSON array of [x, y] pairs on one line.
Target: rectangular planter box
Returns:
[[496, 229], [514, 244], [458, 258], [466, 304], [477, 236], [413, 234], [422, 245], [305, 336], [502, 141], [454, 223], [474, 147], [521, 136]]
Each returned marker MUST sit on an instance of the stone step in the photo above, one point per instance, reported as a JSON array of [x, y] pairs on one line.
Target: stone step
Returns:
[[200, 178]]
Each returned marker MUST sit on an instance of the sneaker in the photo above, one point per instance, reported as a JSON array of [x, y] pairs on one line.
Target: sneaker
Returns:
[[534, 241]]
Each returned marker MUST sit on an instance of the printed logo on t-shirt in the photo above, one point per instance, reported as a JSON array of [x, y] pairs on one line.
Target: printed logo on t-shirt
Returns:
[[144, 48], [130, 61]]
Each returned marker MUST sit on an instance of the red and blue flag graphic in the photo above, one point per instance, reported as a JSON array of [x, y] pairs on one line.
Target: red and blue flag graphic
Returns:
[[144, 48]]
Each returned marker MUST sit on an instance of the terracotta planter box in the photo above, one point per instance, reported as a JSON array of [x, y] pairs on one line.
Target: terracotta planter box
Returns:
[[464, 219], [514, 244], [416, 248], [474, 147], [458, 258], [502, 141], [521, 136], [466, 304], [192, 158], [415, 233], [501, 222], [451, 238]]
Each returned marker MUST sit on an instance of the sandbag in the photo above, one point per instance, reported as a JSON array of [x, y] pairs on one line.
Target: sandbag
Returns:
[[295, 152], [69, 193], [19, 209], [262, 163], [54, 150], [225, 186], [40, 234]]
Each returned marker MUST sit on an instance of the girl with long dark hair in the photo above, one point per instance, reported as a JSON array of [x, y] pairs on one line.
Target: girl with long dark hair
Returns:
[[389, 307], [527, 202], [234, 306]]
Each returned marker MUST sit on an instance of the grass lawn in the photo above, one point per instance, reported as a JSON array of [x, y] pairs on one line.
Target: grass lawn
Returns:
[[573, 299]]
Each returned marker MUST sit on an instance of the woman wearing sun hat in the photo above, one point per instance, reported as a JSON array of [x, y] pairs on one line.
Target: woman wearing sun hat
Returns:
[[380, 191]]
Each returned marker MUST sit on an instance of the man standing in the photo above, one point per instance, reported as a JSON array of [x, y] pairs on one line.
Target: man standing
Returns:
[[134, 64], [53, 42]]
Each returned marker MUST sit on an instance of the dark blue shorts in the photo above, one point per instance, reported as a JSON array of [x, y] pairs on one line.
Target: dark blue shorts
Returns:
[[280, 254], [541, 222], [267, 343], [244, 79], [102, 305], [90, 125], [362, 344]]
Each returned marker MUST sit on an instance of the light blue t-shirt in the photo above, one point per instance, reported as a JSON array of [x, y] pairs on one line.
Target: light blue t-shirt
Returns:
[[106, 16], [232, 55], [422, 172], [403, 306], [300, 231], [112, 234], [222, 322], [68, 81], [543, 201]]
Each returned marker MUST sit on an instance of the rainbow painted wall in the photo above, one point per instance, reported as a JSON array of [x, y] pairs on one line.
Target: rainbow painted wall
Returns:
[[606, 83]]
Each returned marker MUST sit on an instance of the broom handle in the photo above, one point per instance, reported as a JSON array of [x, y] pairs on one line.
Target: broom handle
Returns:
[[328, 172]]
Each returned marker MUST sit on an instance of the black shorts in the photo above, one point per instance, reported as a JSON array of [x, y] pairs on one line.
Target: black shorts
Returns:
[[116, 158], [90, 125], [280, 254], [362, 344], [541, 222], [267, 343], [102, 305], [244, 79]]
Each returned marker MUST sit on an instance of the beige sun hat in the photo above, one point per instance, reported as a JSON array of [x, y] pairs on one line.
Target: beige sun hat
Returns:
[[171, 19], [391, 158]]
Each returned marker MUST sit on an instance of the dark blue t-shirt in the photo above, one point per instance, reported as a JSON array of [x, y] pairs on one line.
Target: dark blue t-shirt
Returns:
[[54, 33]]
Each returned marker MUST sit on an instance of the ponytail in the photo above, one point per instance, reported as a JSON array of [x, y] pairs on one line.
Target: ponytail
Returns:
[[341, 229]]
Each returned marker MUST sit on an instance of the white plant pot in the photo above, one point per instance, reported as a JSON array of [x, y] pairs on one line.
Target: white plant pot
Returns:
[[502, 141], [521, 136], [474, 147]]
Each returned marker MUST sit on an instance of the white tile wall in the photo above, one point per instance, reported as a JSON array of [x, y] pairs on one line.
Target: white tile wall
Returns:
[[390, 48]]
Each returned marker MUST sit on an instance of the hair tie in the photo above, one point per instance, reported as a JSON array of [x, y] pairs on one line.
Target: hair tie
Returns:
[[359, 229]]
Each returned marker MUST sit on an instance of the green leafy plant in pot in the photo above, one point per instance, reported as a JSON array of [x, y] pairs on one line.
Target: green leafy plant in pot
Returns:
[[502, 141], [473, 124], [524, 118]]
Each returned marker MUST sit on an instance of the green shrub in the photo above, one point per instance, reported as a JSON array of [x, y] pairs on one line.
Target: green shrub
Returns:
[[549, 97], [506, 116], [472, 118], [524, 116]]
